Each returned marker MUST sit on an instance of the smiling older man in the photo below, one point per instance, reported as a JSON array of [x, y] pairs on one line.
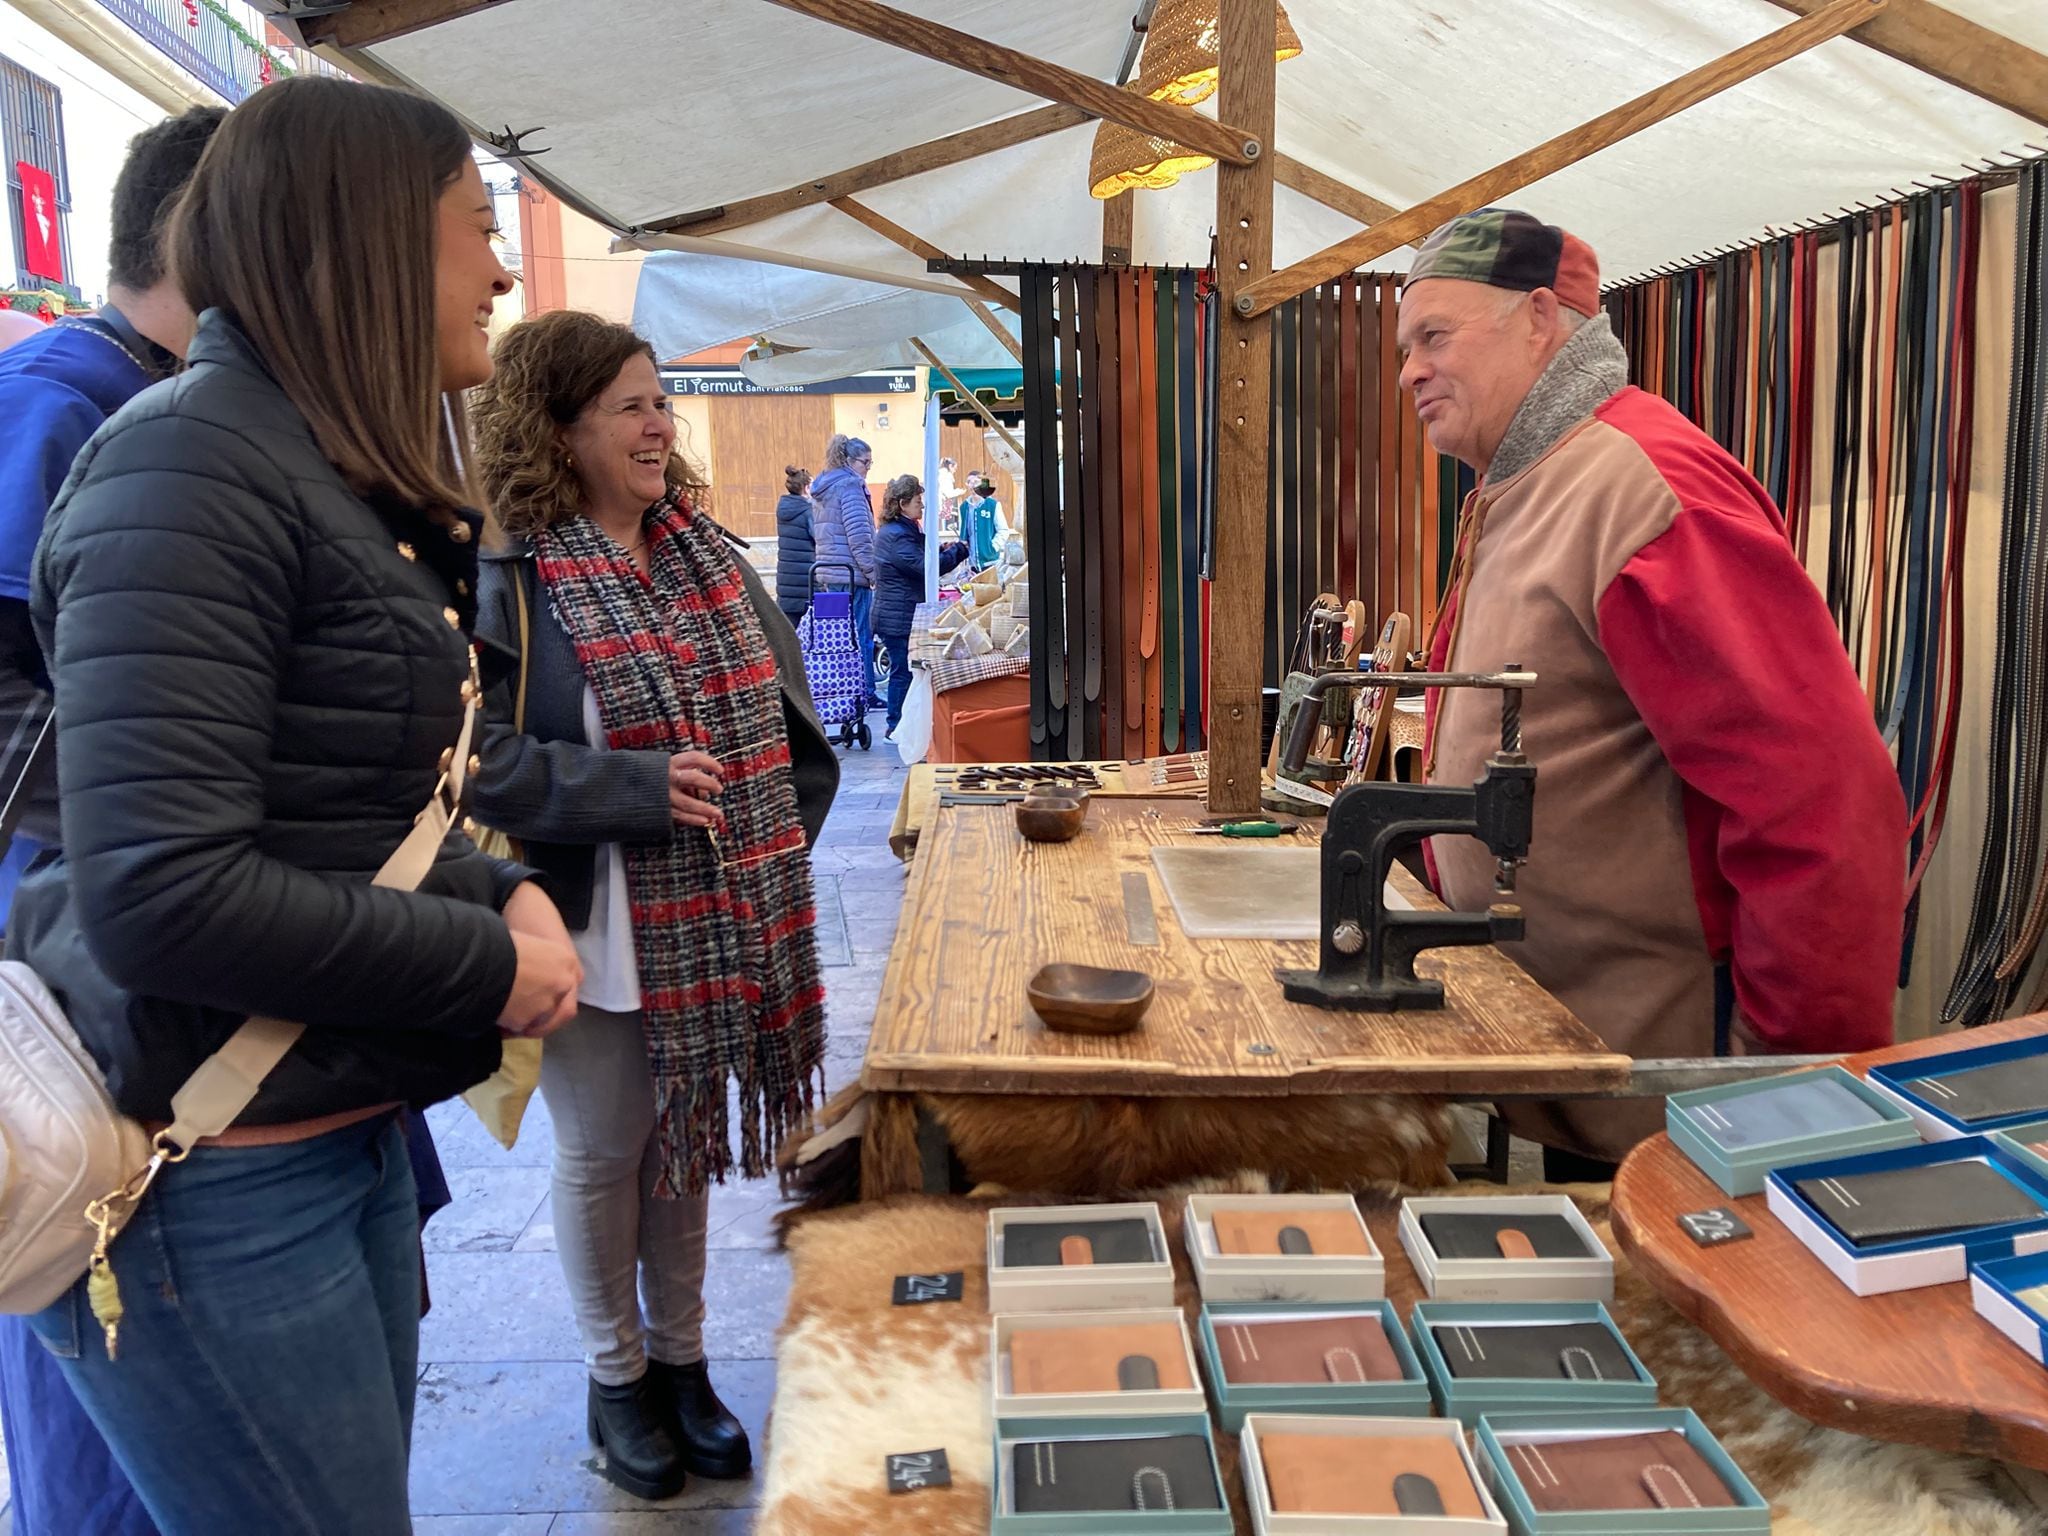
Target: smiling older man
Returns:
[[1719, 853]]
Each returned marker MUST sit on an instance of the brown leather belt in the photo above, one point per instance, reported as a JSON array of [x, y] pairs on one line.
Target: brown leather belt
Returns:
[[1073, 522], [1131, 550], [1349, 578], [1148, 511], [1390, 447], [1328, 541]]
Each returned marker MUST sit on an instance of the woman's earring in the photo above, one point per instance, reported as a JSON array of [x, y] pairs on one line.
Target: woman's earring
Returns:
[[568, 461]]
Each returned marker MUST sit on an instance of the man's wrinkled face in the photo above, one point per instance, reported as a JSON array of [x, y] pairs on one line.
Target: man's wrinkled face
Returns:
[[1469, 356]]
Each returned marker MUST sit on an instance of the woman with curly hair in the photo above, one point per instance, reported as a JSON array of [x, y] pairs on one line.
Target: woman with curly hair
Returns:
[[656, 755]]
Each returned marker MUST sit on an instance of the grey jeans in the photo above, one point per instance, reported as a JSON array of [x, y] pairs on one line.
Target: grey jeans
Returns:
[[626, 1255]]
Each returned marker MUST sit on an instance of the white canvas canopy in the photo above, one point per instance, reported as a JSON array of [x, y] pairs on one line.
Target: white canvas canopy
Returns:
[[650, 109]]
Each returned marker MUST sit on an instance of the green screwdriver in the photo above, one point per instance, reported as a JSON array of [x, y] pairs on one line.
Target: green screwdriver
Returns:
[[1244, 829]]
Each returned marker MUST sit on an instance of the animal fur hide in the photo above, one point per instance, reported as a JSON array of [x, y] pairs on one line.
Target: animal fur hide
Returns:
[[858, 1378], [1100, 1148]]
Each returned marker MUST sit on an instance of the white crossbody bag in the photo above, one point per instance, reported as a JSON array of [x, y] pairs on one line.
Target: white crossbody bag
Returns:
[[73, 1168]]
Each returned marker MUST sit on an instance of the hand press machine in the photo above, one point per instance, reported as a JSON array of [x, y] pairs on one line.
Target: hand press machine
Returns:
[[1367, 959]]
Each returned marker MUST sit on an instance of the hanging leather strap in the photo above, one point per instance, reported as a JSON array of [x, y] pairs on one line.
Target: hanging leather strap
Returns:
[[1289, 596], [1171, 406], [1389, 453], [1148, 510], [1073, 516], [1132, 512], [1041, 439], [1192, 454], [1100, 416], [1329, 504], [1370, 509], [1350, 431]]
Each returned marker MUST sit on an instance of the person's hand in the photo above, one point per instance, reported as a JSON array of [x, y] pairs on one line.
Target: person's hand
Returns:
[[547, 973], [695, 782]]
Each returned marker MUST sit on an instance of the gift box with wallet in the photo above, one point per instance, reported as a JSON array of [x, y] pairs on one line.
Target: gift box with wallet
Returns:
[[1309, 1475], [1738, 1132], [1914, 1216], [2027, 1141], [1505, 1248], [2012, 1295], [1970, 1092], [1309, 1358], [1061, 1258], [1093, 1364], [1650, 1472], [1281, 1248], [1096, 1477], [1502, 1357]]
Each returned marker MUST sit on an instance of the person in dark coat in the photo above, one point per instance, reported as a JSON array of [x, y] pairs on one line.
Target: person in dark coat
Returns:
[[844, 522], [254, 595], [796, 547], [666, 777], [899, 583], [56, 389]]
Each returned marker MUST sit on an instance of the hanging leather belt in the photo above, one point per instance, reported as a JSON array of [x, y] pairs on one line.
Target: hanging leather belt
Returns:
[[1132, 514], [1286, 610], [1108, 658], [1325, 300], [1370, 406], [1073, 523], [1172, 404], [1349, 432], [1148, 511], [1041, 476], [1389, 451], [1193, 450]]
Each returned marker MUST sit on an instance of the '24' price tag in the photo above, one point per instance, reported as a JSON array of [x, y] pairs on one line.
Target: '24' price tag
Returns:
[[912, 1470]]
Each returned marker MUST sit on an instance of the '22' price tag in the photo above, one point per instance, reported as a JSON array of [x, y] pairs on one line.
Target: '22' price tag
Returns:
[[1717, 1225]]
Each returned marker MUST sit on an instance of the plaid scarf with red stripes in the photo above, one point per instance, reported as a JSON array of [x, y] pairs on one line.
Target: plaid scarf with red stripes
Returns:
[[722, 923]]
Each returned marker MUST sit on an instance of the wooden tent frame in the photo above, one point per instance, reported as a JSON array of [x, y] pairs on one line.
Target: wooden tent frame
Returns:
[[1917, 32]]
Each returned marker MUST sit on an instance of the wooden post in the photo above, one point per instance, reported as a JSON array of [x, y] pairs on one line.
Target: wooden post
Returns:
[[1710, 79], [1244, 254], [1119, 217]]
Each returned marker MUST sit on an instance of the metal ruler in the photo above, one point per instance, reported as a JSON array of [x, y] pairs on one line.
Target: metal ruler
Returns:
[[1141, 923]]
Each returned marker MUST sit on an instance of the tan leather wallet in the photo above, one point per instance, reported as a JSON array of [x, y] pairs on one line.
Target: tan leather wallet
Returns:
[[1294, 1350], [1289, 1232], [1125, 1358], [1355, 1475]]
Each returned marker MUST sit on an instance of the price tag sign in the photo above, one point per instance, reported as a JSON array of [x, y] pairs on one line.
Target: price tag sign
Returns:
[[912, 1470], [915, 1290], [1712, 1227]]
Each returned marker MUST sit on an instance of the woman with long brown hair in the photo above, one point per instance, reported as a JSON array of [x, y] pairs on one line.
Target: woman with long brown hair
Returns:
[[666, 772], [255, 595]]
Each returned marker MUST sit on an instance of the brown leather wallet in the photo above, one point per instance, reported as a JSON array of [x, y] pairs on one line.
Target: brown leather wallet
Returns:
[[1653, 1471], [1307, 1231], [1124, 1358], [1357, 1475], [1299, 1350]]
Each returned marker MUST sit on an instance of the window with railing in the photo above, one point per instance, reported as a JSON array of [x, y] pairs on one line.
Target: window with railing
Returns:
[[32, 132]]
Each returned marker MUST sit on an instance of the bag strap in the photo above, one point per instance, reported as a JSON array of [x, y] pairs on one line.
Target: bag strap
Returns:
[[519, 704], [225, 1083], [42, 756]]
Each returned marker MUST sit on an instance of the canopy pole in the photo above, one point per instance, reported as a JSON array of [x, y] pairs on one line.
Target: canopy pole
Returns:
[[968, 395], [1244, 254]]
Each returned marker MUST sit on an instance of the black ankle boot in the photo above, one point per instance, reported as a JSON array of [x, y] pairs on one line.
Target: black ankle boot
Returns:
[[713, 1443], [631, 1425]]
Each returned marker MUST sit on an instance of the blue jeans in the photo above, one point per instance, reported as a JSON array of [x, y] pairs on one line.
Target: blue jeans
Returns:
[[864, 637], [271, 1344], [898, 647]]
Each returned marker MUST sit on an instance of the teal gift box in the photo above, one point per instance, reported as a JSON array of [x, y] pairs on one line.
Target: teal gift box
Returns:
[[1750, 1515], [1690, 1119], [2026, 1142], [1468, 1398], [1005, 1521], [1407, 1398]]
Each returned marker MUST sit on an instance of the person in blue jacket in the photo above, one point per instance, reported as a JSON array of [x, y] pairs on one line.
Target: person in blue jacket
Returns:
[[843, 522], [899, 583], [55, 391]]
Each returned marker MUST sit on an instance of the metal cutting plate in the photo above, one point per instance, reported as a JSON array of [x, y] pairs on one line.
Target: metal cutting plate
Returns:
[[1239, 892]]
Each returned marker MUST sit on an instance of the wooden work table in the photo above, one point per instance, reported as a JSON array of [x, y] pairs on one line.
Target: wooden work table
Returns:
[[984, 910], [1917, 1366]]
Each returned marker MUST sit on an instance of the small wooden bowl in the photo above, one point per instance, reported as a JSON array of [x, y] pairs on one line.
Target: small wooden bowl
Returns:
[[1089, 1000], [1051, 818]]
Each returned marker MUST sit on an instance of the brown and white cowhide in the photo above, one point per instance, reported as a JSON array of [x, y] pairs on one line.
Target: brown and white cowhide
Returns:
[[1098, 1148], [858, 1379]]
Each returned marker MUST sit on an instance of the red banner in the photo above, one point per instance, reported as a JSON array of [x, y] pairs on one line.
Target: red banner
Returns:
[[43, 233]]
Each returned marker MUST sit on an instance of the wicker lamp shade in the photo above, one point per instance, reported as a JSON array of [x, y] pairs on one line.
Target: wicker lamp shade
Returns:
[[1181, 49], [1179, 66]]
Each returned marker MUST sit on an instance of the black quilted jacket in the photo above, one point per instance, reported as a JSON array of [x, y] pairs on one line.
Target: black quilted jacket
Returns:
[[256, 675]]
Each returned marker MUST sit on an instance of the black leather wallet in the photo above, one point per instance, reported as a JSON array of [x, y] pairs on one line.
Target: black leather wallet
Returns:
[[1151, 1472], [1459, 1235], [1930, 1201], [1805, 1107], [1533, 1351], [2018, 1087], [1127, 1240]]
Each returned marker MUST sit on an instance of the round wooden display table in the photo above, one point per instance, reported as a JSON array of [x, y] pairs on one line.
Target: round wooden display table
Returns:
[[1916, 1366]]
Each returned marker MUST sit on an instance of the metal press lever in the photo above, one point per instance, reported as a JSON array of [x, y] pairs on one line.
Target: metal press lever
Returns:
[[1367, 956]]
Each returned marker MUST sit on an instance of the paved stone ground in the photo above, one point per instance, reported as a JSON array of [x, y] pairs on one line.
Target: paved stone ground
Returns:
[[499, 1447]]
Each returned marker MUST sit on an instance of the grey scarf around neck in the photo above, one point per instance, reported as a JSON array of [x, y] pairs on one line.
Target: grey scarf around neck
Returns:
[[1586, 372]]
